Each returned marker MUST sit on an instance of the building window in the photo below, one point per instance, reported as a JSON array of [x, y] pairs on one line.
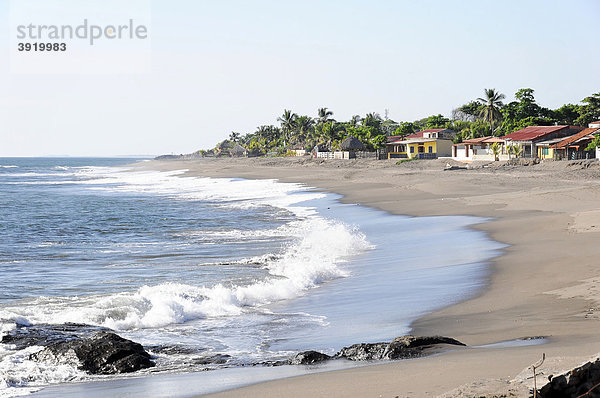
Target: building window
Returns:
[[430, 149], [412, 149], [421, 149]]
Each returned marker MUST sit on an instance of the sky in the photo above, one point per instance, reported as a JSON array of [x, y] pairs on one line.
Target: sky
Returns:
[[208, 68]]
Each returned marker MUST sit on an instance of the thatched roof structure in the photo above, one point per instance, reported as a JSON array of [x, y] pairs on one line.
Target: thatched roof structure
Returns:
[[352, 144], [238, 151]]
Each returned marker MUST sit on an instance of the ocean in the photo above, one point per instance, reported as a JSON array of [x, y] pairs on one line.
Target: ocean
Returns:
[[212, 273]]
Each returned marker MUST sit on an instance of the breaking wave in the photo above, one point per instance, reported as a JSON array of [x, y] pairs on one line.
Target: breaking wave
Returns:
[[316, 257]]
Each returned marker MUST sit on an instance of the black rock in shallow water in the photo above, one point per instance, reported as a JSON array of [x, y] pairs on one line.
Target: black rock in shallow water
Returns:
[[574, 383], [400, 347], [308, 358], [104, 353], [24, 336]]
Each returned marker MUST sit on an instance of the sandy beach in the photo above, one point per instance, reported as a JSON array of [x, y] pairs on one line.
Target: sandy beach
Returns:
[[544, 284]]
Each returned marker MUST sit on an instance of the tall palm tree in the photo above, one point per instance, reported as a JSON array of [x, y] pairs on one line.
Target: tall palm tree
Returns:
[[288, 123], [323, 115], [372, 119], [491, 106], [303, 127], [234, 137]]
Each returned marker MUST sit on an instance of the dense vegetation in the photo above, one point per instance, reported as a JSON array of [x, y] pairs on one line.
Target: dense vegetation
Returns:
[[484, 116]]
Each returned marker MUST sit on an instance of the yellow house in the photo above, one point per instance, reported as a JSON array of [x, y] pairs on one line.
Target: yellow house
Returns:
[[421, 148], [426, 144], [546, 149]]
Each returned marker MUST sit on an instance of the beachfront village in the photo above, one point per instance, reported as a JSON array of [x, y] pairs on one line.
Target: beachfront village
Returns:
[[484, 129]]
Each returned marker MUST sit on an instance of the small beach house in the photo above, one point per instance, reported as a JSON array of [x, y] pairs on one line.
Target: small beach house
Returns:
[[530, 137], [426, 144], [574, 147], [477, 149]]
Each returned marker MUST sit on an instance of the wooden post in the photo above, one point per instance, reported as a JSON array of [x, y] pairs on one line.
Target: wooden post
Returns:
[[535, 366]]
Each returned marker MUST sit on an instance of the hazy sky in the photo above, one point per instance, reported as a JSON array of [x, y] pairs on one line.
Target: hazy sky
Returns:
[[222, 66]]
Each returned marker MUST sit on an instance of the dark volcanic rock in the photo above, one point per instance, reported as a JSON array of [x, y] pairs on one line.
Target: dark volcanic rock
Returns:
[[104, 353], [24, 336], [400, 347], [574, 383], [308, 358]]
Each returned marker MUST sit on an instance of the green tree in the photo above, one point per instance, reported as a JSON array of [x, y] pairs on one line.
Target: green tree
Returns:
[[491, 105], [372, 120], [515, 149], [436, 122], [567, 114], [288, 122], [303, 127], [496, 149], [467, 112], [589, 111], [234, 137], [355, 120], [323, 115], [406, 128]]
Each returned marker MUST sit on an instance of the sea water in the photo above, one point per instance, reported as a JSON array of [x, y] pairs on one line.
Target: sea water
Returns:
[[197, 268]]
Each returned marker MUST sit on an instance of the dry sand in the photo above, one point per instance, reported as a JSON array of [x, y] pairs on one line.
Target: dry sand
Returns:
[[547, 282]]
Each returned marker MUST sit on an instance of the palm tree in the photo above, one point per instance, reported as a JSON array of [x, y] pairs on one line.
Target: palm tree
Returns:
[[372, 120], [515, 149], [496, 149], [323, 115], [303, 126], [355, 120], [234, 137], [491, 106], [288, 122]]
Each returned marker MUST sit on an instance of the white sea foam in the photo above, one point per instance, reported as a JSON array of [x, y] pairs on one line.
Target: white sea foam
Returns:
[[233, 193], [9, 167], [21, 376], [316, 257], [225, 191], [316, 252]]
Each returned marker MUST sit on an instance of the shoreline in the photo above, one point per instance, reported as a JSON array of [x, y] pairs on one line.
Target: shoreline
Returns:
[[513, 305]]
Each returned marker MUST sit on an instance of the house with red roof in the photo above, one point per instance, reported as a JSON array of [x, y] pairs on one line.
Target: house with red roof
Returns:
[[574, 147], [529, 137], [426, 144]]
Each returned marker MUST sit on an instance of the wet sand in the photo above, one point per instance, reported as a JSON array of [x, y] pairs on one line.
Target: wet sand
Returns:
[[543, 285]]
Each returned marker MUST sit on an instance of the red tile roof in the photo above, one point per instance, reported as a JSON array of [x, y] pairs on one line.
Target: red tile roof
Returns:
[[562, 144], [415, 135], [476, 140], [534, 132]]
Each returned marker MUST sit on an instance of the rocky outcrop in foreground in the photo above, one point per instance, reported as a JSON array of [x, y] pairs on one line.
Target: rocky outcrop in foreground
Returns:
[[574, 383], [308, 358], [93, 349], [104, 353], [400, 348]]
